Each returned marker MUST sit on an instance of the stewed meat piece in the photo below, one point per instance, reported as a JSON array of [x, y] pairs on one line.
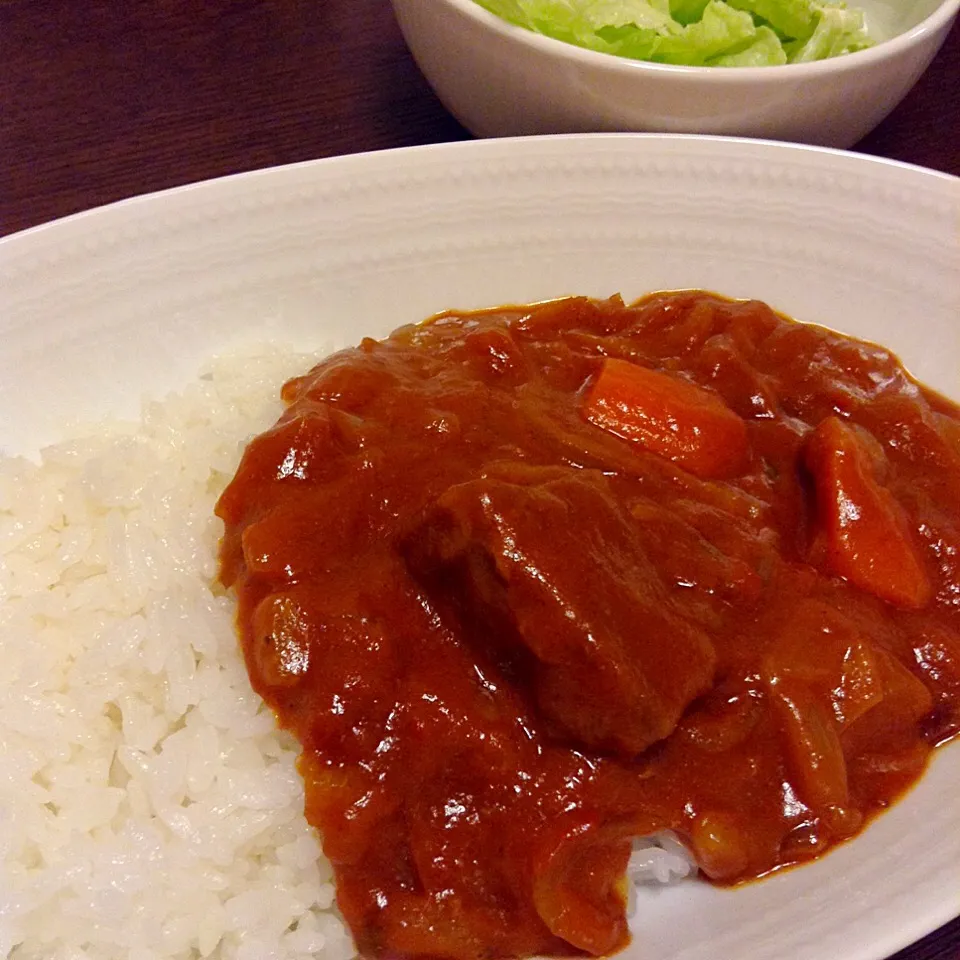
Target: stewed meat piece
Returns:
[[552, 578]]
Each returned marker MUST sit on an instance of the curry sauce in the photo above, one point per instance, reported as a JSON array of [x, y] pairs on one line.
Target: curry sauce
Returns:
[[531, 582]]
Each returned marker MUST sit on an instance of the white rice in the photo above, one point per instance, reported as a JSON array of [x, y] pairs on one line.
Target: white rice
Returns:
[[661, 858], [149, 809]]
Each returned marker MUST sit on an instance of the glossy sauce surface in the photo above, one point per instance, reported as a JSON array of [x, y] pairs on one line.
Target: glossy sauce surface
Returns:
[[528, 583]]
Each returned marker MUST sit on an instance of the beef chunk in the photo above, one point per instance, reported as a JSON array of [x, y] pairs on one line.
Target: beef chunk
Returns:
[[549, 573]]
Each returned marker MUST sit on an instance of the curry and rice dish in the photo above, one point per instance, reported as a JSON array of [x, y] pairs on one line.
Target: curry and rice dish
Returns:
[[527, 584]]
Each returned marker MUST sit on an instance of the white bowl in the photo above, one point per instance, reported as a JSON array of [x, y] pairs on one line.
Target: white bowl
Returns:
[[134, 297], [501, 80]]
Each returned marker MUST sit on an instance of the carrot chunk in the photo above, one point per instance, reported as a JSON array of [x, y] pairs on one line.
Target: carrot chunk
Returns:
[[669, 417], [866, 534]]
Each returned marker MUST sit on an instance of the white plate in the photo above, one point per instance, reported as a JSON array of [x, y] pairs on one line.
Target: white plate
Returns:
[[102, 307]]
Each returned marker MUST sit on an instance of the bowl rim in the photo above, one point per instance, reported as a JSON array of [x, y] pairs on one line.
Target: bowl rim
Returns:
[[938, 19]]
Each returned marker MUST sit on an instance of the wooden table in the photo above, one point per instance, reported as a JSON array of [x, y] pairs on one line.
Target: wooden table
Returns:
[[104, 99]]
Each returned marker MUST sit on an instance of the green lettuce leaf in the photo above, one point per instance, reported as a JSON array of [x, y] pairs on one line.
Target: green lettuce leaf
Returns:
[[608, 26], [837, 32], [687, 11], [723, 33], [720, 30], [766, 50], [513, 11], [639, 14], [632, 42], [792, 19]]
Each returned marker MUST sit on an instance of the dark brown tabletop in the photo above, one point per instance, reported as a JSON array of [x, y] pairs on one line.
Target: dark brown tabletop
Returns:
[[105, 99]]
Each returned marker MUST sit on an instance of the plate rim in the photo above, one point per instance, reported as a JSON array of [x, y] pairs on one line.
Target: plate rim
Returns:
[[493, 145]]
